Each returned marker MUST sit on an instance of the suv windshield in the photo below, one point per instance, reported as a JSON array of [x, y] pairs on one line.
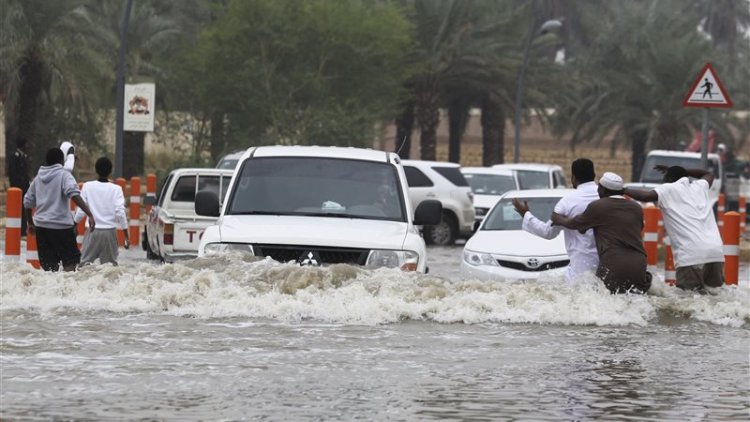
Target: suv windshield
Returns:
[[529, 179], [504, 217], [649, 175], [490, 184], [327, 187]]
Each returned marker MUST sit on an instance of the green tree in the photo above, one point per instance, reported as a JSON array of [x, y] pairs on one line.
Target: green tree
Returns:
[[632, 82], [47, 61], [314, 72]]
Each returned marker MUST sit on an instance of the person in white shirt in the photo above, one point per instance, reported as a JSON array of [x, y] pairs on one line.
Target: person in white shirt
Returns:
[[107, 204], [581, 247], [690, 223]]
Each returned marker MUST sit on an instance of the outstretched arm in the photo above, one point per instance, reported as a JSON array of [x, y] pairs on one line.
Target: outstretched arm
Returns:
[[642, 195], [561, 220], [82, 205], [533, 225]]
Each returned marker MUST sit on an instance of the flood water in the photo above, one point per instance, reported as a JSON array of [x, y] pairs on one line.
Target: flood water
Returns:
[[229, 339]]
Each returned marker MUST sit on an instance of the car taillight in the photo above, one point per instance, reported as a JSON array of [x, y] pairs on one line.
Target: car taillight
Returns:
[[168, 234]]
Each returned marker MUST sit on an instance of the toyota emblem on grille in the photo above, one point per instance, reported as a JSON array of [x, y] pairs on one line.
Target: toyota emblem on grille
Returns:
[[309, 258], [532, 263]]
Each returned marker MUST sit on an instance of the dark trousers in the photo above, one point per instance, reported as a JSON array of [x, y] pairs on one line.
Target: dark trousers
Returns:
[[55, 246]]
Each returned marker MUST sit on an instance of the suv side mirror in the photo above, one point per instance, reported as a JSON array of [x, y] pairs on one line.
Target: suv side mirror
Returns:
[[149, 200], [428, 213], [207, 204]]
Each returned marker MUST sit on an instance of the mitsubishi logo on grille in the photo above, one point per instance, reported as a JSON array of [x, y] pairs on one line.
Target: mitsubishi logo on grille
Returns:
[[309, 258], [532, 263]]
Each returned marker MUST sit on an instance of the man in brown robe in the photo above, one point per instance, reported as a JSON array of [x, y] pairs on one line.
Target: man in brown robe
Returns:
[[617, 224]]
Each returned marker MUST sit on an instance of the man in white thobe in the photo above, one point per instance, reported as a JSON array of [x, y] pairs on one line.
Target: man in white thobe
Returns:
[[581, 247]]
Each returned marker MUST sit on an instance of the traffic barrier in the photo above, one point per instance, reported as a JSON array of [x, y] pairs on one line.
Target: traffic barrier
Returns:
[[720, 209], [670, 276], [662, 233], [743, 214], [135, 210], [13, 210], [150, 189], [731, 247], [651, 237], [32, 254], [120, 235]]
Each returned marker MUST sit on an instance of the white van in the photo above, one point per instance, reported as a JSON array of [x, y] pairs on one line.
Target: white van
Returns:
[[651, 178], [318, 206]]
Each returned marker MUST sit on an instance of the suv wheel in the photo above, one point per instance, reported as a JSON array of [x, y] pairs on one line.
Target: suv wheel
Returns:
[[442, 234]]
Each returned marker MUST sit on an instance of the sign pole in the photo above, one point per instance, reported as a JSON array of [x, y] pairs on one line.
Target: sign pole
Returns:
[[704, 141]]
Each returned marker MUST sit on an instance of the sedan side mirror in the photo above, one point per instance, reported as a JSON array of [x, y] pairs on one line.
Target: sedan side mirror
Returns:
[[428, 213], [207, 204], [149, 201]]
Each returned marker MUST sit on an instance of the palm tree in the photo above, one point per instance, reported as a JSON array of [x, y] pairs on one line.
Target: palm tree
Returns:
[[47, 60], [633, 81]]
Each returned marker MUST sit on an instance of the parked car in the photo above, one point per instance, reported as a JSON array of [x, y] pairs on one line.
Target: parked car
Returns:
[[488, 185], [537, 176], [319, 206], [444, 182], [173, 229], [651, 178], [500, 249], [230, 161]]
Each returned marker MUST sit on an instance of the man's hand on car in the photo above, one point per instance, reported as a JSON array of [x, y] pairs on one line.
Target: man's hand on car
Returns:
[[521, 208]]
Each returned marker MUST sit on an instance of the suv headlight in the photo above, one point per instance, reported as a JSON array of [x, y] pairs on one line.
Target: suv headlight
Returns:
[[219, 248], [478, 258], [406, 260]]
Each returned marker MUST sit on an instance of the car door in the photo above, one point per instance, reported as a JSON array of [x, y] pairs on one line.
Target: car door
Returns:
[[420, 186], [152, 222]]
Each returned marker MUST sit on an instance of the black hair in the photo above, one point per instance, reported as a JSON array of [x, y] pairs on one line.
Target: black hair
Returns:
[[103, 167], [54, 156], [21, 142], [674, 174], [583, 170]]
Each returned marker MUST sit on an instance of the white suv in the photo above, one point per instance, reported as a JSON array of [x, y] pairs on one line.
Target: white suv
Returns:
[[537, 176], [444, 182], [319, 206]]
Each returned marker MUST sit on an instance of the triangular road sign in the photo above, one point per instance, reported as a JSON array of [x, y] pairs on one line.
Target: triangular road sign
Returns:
[[707, 91]]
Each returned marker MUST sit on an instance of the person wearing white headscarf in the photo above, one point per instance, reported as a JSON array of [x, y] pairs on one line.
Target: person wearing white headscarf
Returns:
[[69, 154], [617, 223]]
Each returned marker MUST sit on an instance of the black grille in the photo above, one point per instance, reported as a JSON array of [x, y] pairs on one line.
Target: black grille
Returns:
[[284, 253], [523, 267]]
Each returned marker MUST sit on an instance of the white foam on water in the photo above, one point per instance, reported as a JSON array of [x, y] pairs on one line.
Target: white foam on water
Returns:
[[231, 287]]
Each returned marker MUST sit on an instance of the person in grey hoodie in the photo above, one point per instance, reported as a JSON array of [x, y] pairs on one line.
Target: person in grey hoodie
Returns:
[[50, 193]]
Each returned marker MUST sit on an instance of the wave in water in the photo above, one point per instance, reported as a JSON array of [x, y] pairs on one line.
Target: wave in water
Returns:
[[231, 287]]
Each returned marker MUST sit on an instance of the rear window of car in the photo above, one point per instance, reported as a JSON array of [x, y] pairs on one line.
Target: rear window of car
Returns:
[[184, 190], [453, 174], [415, 178]]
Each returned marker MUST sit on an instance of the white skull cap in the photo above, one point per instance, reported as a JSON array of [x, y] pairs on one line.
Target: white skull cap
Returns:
[[611, 181]]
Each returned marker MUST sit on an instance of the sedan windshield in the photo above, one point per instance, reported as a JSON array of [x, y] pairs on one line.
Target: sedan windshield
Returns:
[[529, 179], [326, 187], [504, 217], [490, 184]]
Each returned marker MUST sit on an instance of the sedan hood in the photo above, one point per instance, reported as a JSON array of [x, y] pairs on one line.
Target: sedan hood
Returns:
[[313, 231], [515, 243]]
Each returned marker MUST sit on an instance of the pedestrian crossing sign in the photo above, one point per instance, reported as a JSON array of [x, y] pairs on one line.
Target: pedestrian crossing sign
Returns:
[[707, 91]]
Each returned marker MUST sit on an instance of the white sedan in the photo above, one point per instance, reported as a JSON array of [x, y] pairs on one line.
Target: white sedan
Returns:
[[500, 249]]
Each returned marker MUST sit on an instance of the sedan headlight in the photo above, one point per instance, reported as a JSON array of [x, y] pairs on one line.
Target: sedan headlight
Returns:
[[478, 258], [406, 260], [220, 248]]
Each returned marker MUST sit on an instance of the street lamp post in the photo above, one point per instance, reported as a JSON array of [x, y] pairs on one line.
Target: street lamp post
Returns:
[[120, 81], [533, 31]]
